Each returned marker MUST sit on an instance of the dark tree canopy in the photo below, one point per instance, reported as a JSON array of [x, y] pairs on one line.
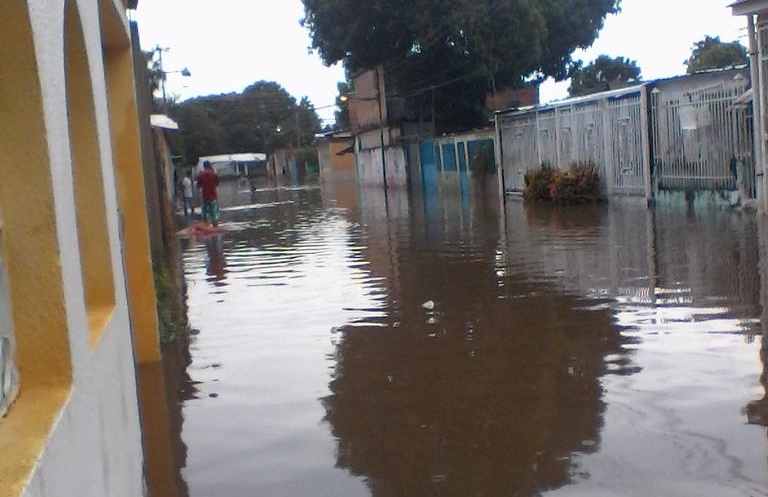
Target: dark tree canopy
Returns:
[[342, 115], [601, 74], [711, 53], [457, 50], [262, 118]]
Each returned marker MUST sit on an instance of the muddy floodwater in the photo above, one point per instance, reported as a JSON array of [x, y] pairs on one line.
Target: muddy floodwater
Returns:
[[350, 345]]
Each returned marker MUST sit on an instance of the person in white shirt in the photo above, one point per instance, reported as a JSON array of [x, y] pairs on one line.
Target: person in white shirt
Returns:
[[189, 194]]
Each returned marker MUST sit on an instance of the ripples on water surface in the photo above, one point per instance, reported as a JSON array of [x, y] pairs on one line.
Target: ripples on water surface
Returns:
[[348, 347]]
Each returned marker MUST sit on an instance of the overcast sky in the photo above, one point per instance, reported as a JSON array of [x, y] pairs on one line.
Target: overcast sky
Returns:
[[230, 44]]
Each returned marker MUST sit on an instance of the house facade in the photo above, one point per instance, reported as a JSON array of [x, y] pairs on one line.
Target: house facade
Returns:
[[756, 14], [78, 303], [336, 158], [381, 159]]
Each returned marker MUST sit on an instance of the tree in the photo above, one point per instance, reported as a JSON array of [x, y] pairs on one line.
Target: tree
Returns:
[[262, 118], [455, 51], [601, 73], [342, 115], [711, 53]]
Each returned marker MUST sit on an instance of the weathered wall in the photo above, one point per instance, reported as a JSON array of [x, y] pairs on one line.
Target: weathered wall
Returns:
[[462, 165], [367, 109], [74, 428], [371, 172], [512, 97], [283, 166], [337, 162]]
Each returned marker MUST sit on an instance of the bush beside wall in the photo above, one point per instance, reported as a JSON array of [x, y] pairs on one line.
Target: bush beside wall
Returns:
[[577, 185]]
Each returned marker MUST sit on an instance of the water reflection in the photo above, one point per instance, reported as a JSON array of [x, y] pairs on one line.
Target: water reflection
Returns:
[[684, 289], [483, 384], [216, 266], [163, 390], [488, 399], [360, 346], [757, 410]]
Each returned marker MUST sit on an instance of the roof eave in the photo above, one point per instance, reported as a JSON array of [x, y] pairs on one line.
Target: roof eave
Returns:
[[748, 7]]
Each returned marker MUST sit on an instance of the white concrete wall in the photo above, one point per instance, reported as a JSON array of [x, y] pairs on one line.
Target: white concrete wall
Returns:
[[95, 446], [369, 168]]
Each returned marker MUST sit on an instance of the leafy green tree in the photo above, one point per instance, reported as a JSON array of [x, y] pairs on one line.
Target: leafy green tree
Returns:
[[711, 53], [342, 115], [201, 133], [445, 55], [599, 74], [262, 118]]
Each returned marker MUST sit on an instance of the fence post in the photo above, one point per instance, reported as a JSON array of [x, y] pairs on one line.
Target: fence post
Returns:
[[498, 151], [607, 138], [538, 139], [556, 131], [646, 143]]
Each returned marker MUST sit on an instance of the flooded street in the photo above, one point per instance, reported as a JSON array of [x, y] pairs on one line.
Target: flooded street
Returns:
[[349, 345]]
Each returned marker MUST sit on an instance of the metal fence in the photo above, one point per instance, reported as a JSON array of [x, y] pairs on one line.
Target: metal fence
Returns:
[[701, 140], [520, 146], [604, 130], [456, 160], [625, 164]]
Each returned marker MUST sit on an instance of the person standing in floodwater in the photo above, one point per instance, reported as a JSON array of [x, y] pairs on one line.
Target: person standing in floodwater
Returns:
[[207, 181], [188, 192]]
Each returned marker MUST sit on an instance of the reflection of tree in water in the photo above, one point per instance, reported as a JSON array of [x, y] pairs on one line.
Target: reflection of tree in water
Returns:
[[494, 411], [492, 398]]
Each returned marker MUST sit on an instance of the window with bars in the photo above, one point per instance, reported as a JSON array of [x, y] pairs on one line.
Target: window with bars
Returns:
[[8, 377]]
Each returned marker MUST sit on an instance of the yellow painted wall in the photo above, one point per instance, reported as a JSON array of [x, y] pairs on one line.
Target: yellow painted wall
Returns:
[[92, 229], [124, 121], [76, 249], [341, 163], [31, 247]]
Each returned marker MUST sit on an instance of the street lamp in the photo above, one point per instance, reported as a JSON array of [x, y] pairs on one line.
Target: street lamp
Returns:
[[184, 72], [163, 73]]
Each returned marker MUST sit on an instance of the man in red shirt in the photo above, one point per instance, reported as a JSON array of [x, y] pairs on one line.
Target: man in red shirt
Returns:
[[207, 181]]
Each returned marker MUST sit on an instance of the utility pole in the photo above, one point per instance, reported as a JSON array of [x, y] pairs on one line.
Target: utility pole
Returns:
[[381, 132], [159, 51]]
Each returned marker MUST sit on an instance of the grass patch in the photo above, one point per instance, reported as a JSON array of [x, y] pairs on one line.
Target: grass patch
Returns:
[[171, 318]]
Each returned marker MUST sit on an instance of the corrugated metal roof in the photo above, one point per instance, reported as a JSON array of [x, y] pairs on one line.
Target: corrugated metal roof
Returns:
[[610, 94]]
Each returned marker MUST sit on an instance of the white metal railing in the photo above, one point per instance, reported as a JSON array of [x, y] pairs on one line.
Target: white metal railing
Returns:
[[699, 137], [8, 377], [604, 132]]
